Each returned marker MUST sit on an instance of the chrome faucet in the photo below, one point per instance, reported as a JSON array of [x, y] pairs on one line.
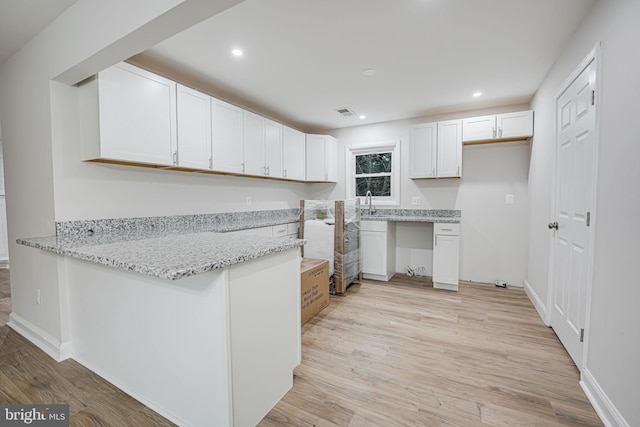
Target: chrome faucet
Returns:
[[368, 196]]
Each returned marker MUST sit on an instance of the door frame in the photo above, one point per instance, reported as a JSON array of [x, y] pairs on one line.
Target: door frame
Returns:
[[593, 56]]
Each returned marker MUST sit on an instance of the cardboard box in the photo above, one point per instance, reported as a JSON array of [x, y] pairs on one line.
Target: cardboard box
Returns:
[[315, 287]]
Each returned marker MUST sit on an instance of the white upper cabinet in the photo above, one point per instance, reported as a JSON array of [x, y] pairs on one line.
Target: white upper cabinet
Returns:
[[262, 146], [273, 142], [254, 149], [449, 163], [423, 146], [129, 114], [515, 125], [293, 154], [194, 129], [331, 159], [321, 153], [436, 150], [227, 141], [479, 128], [493, 128]]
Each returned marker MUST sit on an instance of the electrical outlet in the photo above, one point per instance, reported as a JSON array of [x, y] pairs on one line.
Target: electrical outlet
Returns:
[[415, 200], [38, 300], [509, 199], [249, 201]]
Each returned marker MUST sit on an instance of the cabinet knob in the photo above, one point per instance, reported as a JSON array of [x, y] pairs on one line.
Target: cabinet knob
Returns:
[[553, 225]]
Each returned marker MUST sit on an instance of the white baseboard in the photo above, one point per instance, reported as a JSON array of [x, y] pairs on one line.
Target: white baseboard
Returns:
[[603, 406], [45, 342], [536, 301]]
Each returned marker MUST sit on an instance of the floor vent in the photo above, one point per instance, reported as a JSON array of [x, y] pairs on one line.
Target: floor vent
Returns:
[[346, 112]]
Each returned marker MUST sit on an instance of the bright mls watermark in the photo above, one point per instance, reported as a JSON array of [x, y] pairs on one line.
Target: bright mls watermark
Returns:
[[34, 415]]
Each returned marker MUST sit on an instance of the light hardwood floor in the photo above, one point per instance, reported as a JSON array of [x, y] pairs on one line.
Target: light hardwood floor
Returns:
[[385, 354], [405, 354]]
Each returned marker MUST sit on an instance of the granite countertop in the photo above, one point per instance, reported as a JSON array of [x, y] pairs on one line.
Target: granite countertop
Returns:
[[171, 256], [169, 247], [412, 215]]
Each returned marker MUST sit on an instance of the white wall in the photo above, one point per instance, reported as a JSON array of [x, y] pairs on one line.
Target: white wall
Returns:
[[493, 235], [69, 49], [612, 350]]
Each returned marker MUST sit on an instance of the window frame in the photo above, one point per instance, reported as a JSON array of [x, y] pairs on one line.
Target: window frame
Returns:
[[352, 151]]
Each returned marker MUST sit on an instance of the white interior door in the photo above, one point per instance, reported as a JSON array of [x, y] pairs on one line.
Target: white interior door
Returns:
[[575, 145]]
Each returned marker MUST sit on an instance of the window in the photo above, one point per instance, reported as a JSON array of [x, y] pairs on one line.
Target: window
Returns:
[[374, 167], [373, 173]]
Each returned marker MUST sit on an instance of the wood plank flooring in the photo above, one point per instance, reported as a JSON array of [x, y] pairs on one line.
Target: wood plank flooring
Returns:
[[405, 354], [385, 354]]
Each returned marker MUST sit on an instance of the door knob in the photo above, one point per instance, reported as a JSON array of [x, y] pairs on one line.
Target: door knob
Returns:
[[553, 225]]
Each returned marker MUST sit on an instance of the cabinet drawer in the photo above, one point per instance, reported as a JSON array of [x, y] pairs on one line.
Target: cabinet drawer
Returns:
[[443, 228], [373, 225], [280, 230]]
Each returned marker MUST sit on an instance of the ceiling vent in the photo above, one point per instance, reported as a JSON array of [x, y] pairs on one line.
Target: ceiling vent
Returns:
[[346, 112]]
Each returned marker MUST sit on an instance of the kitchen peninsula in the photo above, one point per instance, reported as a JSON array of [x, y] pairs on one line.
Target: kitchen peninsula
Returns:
[[200, 325]]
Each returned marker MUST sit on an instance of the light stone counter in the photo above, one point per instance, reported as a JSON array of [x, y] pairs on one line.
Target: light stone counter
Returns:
[[413, 215]]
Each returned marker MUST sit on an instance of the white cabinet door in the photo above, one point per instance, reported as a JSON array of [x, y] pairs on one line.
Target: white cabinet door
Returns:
[[423, 147], [254, 153], [479, 128], [378, 249], [226, 121], [273, 148], [194, 129], [515, 125], [331, 159], [136, 116], [449, 164], [322, 156], [293, 147], [315, 158], [446, 248], [374, 252]]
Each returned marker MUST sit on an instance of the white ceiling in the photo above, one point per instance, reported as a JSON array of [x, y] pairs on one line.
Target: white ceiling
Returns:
[[21, 20], [303, 59]]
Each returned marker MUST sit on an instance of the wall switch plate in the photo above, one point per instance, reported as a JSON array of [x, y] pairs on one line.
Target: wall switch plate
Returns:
[[415, 200], [509, 199], [249, 201]]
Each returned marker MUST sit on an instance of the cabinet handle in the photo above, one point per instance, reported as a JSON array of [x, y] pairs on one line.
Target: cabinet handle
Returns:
[[211, 162], [175, 158], [265, 171], [493, 129], [435, 243], [326, 177], [268, 171], [242, 164], [284, 173], [499, 132]]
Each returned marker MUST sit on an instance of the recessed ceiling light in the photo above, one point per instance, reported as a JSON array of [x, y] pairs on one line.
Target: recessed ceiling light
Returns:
[[477, 94], [368, 72], [362, 117], [237, 52]]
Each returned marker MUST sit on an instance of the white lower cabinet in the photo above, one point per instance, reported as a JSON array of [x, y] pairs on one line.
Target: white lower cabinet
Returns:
[[446, 249], [378, 249]]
